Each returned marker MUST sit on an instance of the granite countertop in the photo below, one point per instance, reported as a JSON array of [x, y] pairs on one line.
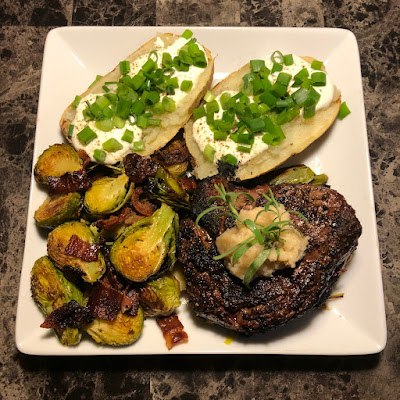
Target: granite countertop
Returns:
[[24, 26]]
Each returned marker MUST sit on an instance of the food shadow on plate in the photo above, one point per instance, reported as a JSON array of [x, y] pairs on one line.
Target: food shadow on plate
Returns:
[[292, 327]]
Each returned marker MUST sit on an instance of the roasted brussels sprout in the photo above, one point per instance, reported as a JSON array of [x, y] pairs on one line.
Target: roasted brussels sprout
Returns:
[[299, 174], [58, 209], [167, 189], [107, 195], [124, 330], [160, 297], [50, 290], [147, 246], [178, 170], [57, 160], [58, 240]]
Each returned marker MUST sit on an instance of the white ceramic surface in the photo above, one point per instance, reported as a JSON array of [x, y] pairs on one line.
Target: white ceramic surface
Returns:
[[354, 324]]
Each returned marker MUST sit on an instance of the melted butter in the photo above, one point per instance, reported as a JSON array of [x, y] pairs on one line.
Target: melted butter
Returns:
[[290, 251], [203, 135], [80, 123]]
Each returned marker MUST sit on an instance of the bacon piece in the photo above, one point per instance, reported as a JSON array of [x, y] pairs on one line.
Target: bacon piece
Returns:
[[139, 168], [115, 220], [172, 330], [84, 157], [143, 207], [111, 296], [68, 182], [84, 250], [69, 315], [174, 153]]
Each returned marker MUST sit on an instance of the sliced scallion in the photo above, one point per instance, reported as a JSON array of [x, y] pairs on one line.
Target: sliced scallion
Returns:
[[318, 79], [317, 64], [257, 65], [344, 111], [86, 135], [288, 59], [127, 136], [112, 145], [71, 130], [209, 96], [199, 112], [277, 57], [186, 86], [209, 152], [124, 67], [99, 155], [187, 34], [76, 102], [138, 146], [105, 125], [229, 159]]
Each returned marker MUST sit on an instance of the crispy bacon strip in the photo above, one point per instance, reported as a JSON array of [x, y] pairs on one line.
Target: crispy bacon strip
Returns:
[[111, 296], [84, 250], [188, 184], [68, 182], [143, 207], [139, 168], [172, 330], [113, 221], [70, 315]]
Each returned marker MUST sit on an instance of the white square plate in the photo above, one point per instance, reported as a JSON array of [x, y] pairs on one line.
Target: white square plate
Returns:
[[354, 324]]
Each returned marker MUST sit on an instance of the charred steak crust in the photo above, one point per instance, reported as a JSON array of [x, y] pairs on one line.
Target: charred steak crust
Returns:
[[220, 297]]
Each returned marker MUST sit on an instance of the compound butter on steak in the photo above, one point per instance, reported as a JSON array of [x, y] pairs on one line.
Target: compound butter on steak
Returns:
[[218, 296]]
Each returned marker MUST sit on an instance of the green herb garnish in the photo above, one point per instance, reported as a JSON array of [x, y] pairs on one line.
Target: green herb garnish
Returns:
[[269, 236]]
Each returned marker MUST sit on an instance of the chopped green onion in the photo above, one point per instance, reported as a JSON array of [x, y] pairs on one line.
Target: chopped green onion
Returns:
[[158, 108], [257, 65], [285, 103], [344, 111], [138, 107], [224, 99], [105, 88], [300, 76], [98, 77], [209, 96], [141, 121], [309, 112], [154, 122], [269, 99], [138, 146], [288, 59], [199, 112], [209, 152], [256, 124], [318, 79], [127, 136], [300, 96], [123, 108], [278, 89], [317, 64], [118, 122], [71, 130], [169, 104], [200, 61], [102, 101], [137, 81], [277, 57], [105, 125], [212, 107], [244, 148], [86, 135], [149, 66], [284, 78], [76, 102], [220, 135], [187, 34], [99, 155], [124, 67], [245, 138], [112, 145], [229, 159], [276, 67], [186, 85], [166, 60]]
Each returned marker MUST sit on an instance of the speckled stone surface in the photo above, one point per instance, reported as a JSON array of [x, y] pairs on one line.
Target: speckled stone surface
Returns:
[[24, 25]]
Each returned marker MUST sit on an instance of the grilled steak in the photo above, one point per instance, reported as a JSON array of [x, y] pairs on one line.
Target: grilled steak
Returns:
[[217, 295]]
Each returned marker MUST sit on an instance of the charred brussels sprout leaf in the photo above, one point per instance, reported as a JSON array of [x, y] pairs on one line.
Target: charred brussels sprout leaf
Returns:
[[167, 189], [178, 170], [147, 246], [56, 161], [51, 290], [59, 239], [58, 209], [160, 297], [299, 174], [122, 331], [107, 195]]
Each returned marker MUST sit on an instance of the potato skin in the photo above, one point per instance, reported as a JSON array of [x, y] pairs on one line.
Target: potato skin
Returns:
[[300, 133], [154, 137]]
